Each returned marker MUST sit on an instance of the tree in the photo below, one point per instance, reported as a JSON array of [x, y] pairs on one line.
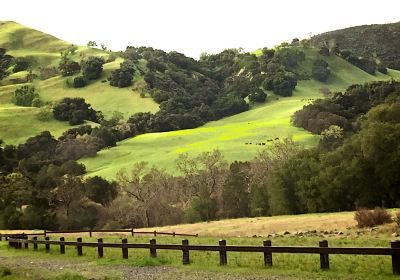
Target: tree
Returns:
[[257, 97], [320, 70], [74, 110], [68, 67], [22, 63], [92, 67], [24, 96], [79, 82], [91, 44], [100, 190]]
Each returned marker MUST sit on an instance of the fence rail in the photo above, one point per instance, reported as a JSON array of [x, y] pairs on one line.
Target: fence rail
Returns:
[[90, 232], [267, 249]]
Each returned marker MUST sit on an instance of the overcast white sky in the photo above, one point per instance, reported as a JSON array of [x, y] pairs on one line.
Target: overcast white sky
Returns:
[[194, 26]]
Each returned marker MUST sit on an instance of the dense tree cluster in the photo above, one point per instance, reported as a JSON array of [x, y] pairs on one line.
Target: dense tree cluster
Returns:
[[74, 110], [343, 109], [5, 62], [123, 76]]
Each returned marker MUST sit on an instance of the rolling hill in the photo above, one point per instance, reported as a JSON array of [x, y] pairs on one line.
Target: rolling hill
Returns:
[[19, 123], [239, 137], [377, 42], [264, 122]]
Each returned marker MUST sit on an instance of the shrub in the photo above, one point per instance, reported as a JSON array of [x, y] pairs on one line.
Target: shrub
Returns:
[[45, 115], [79, 82], [4, 271], [69, 67], [24, 96], [22, 63], [370, 218]]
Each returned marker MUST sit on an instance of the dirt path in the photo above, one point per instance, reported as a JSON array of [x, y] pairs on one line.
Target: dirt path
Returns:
[[37, 269]]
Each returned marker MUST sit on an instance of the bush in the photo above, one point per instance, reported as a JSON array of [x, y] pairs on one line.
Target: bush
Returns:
[[69, 67], [24, 96], [370, 218], [45, 115], [79, 82], [22, 63]]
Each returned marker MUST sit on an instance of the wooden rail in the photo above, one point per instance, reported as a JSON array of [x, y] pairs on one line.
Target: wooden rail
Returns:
[[267, 249], [90, 232]]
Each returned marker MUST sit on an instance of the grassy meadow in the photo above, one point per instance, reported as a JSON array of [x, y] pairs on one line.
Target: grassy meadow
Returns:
[[270, 120]]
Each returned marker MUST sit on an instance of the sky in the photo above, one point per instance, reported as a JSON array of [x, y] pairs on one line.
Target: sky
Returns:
[[194, 26]]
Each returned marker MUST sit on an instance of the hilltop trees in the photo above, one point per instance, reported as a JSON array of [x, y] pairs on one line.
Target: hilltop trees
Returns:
[[5, 62], [123, 76], [92, 67]]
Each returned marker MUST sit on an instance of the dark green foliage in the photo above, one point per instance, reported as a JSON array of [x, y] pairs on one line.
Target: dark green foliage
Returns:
[[68, 67], [74, 110], [24, 96], [320, 70], [92, 67], [79, 82], [5, 62], [381, 68], [100, 190], [368, 41], [22, 63], [229, 105], [258, 97], [344, 109], [123, 76], [364, 64], [106, 135]]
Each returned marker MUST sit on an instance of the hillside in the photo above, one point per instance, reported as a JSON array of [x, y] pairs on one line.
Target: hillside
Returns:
[[377, 41], [270, 120], [19, 123]]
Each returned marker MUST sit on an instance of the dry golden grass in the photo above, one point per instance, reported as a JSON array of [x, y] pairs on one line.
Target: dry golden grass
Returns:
[[267, 225]]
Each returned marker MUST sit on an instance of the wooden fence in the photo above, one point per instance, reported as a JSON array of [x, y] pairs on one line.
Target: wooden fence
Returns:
[[90, 232], [266, 249]]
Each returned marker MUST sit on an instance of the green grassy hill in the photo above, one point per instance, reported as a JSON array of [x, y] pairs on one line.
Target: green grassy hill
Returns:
[[19, 123], [268, 121]]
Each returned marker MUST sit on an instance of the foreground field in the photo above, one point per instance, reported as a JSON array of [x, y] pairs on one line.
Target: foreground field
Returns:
[[338, 228]]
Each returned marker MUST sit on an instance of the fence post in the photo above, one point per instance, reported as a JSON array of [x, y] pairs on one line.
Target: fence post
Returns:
[[173, 234], [395, 257], [26, 243], [79, 246], [35, 247], [90, 233], [47, 245], [324, 258], [62, 246], [153, 250], [1, 236], [45, 233], [267, 255], [223, 260], [155, 233], [185, 252], [124, 249], [100, 247], [132, 232]]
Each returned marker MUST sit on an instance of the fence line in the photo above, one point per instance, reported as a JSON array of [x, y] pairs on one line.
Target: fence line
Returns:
[[131, 231], [267, 249]]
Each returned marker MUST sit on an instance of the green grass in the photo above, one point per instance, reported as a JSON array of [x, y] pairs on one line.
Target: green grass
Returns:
[[267, 121], [302, 266], [19, 123]]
